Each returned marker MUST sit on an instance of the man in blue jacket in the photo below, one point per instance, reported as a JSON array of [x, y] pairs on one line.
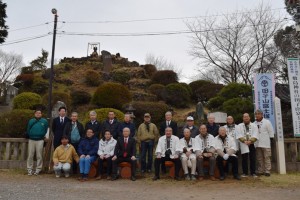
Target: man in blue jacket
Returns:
[[36, 129], [87, 150]]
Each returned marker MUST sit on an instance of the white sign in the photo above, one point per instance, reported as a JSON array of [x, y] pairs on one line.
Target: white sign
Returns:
[[294, 81], [220, 117], [278, 119]]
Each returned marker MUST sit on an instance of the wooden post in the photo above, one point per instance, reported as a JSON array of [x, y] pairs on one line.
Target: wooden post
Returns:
[[7, 151]]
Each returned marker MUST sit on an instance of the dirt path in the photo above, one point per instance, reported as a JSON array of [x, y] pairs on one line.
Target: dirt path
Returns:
[[16, 185]]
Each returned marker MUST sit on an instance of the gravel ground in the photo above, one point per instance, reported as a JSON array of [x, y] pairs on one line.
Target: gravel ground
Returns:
[[16, 185]]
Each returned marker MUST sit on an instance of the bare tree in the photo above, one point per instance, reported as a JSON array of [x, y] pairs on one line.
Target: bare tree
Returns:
[[236, 44], [10, 66], [161, 63]]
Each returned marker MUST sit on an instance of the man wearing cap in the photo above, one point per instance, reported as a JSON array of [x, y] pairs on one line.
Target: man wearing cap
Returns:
[[205, 149], [190, 124], [168, 149], [168, 123], [147, 136], [263, 146], [247, 133]]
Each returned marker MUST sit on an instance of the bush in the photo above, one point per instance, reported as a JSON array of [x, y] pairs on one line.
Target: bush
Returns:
[[40, 86], [25, 79], [92, 78], [164, 77], [111, 95], [150, 69], [120, 76], [80, 97], [187, 87], [234, 90], [157, 111], [102, 114], [158, 90], [177, 95], [203, 90], [27, 100], [57, 96], [215, 103], [14, 123]]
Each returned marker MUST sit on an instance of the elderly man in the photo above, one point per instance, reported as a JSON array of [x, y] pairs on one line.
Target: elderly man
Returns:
[[247, 133], [263, 149], [168, 149], [94, 124], [188, 156], [127, 123], [125, 151], [212, 127], [190, 124], [226, 149], [111, 124], [168, 123], [205, 149], [230, 130]]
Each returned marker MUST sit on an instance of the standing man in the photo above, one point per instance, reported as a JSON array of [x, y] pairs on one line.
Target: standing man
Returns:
[[168, 149], [263, 149], [226, 149], [212, 127], [94, 124], [58, 126], [205, 149], [127, 124], [125, 151], [247, 133], [111, 124], [36, 129], [190, 124], [168, 123], [147, 136]]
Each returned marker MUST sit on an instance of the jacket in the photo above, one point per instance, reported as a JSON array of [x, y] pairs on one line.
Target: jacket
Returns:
[[130, 149], [229, 145], [107, 148], [96, 127], [241, 135], [265, 132], [88, 146], [207, 144], [37, 128], [58, 130], [143, 135], [65, 155], [68, 130], [113, 128], [162, 146], [213, 129], [163, 127], [129, 125]]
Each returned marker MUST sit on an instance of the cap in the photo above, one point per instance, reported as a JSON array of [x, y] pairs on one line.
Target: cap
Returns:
[[190, 118], [147, 115]]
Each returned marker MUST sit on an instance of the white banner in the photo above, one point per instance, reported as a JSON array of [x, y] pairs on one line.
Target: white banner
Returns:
[[294, 79]]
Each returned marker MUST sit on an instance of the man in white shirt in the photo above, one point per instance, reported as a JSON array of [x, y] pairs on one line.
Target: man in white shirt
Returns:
[[205, 150], [168, 149], [263, 149], [188, 156], [247, 133], [226, 149]]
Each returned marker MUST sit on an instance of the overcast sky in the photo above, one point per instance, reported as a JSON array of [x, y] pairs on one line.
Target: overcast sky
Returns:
[[25, 13]]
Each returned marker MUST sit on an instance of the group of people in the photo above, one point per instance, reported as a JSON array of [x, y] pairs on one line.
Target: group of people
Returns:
[[115, 142]]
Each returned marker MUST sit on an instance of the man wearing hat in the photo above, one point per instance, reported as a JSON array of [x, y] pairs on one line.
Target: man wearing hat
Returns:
[[147, 136], [263, 147], [190, 124]]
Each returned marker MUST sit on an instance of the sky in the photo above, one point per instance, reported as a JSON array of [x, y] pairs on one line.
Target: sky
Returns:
[[36, 14]]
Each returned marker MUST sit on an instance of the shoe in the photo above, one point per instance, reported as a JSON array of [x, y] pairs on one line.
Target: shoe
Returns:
[[57, 176], [133, 178], [200, 178], [177, 178], [254, 175], [108, 177], [67, 175], [113, 178], [30, 173], [193, 178], [155, 178], [80, 177], [237, 177], [98, 177], [187, 177], [212, 178], [244, 175], [149, 171], [36, 173], [84, 179], [267, 174], [222, 178]]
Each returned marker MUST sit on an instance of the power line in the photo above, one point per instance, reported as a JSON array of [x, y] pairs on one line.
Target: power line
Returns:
[[25, 39], [161, 19], [29, 27]]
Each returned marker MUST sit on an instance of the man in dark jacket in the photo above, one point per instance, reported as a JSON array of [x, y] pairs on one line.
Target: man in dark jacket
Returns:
[[94, 125], [127, 124], [168, 123], [58, 126], [212, 127], [190, 124], [125, 151], [111, 124], [87, 150]]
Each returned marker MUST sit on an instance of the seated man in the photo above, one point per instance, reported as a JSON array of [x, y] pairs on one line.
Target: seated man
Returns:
[[205, 149], [87, 150], [125, 151], [106, 152], [63, 157], [168, 149], [188, 156], [226, 148]]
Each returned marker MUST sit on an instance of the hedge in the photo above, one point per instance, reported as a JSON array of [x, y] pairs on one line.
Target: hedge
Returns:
[[27, 100]]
